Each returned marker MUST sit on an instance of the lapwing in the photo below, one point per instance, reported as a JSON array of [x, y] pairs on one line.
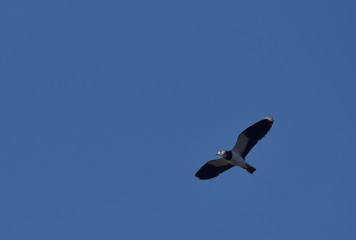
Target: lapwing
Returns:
[[236, 157]]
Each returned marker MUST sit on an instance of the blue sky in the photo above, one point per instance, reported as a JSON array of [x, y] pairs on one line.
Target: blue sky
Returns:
[[108, 108]]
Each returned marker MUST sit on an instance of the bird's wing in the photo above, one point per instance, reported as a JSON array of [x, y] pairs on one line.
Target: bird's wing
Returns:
[[248, 138], [213, 168]]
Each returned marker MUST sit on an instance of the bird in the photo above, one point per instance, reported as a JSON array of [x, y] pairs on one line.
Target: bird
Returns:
[[236, 157]]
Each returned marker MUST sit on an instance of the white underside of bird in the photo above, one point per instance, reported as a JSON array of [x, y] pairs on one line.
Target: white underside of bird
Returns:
[[238, 160]]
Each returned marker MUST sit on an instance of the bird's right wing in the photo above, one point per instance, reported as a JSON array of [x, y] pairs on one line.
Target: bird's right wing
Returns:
[[213, 168]]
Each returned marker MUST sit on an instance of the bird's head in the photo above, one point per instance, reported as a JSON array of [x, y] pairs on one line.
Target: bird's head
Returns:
[[222, 153]]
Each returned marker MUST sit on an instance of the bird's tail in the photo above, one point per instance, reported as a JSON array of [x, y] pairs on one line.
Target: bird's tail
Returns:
[[250, 169]]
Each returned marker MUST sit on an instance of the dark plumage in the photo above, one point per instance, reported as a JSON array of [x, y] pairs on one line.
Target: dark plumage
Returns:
[[236, 157], [248, 138], [213, 168]]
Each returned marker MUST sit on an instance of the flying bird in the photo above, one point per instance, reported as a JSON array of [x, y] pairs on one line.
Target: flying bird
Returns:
[[236, 157]]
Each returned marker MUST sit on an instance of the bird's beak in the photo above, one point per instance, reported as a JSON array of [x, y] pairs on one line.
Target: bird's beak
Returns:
[[217, 154]]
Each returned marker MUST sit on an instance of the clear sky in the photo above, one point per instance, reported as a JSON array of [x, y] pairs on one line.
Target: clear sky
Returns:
[[108, 108]]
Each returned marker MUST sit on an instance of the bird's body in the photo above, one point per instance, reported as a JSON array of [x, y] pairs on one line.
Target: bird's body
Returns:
[[236, 157], [238, 160]]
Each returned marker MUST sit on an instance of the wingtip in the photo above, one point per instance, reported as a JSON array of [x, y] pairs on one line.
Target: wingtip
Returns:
[[201, 178], [270, 118]]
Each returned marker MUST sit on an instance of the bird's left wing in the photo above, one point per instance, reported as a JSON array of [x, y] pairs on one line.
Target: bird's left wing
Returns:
[[248, 138], [213, 168]]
